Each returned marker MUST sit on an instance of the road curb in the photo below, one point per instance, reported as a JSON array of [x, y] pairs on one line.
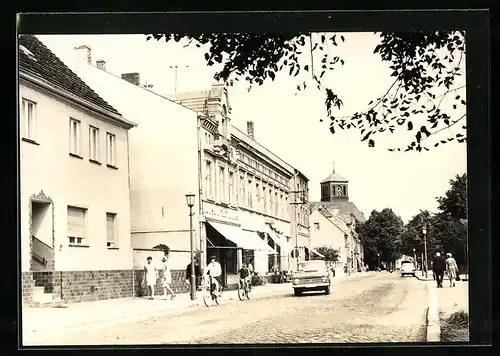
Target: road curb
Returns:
[[432, 320]]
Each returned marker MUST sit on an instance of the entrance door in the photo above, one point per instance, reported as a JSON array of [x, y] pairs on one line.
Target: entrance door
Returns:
[[42, 250]]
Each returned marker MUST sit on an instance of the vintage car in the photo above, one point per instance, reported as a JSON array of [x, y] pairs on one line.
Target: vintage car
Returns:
[[407, 267], [312, 276]]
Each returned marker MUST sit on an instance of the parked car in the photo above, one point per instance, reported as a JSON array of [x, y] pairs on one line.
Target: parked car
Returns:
[[407, 267], [312, 276]]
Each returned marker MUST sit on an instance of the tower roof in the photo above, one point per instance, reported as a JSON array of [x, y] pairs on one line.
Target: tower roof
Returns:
[[334, 177]]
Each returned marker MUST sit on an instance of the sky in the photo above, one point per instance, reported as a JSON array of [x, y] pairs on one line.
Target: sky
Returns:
[[288, 123]]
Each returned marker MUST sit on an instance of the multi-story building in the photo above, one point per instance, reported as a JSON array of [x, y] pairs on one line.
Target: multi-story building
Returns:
[[334, 221], [248, 194], [74, 179], [164, 166]]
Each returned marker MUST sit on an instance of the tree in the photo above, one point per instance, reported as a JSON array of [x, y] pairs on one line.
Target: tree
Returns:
[[330, 254], [381, 234], [425, 68], [454, 202], [412, 235]]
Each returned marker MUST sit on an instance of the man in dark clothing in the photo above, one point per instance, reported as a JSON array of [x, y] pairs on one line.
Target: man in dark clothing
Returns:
[[438, 267], [197, 272]]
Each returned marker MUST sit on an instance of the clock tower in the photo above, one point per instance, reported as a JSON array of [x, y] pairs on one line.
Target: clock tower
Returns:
[[334, 188]]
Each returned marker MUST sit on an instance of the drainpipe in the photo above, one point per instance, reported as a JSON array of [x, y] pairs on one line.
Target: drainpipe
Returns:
[[203, 250]]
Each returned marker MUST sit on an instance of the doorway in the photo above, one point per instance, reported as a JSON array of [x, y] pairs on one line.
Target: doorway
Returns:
[[41, 234]]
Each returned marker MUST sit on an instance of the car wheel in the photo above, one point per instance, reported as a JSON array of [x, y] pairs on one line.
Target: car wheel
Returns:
[[297, 292], [327, 290]]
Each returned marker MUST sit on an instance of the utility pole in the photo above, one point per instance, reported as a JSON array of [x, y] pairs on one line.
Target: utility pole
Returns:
[[424, 230], [294, 218], [175, 69]]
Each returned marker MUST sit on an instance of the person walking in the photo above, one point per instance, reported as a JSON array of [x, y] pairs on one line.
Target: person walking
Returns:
[[166, 279], [438, 267], [197, 272], [150, 276], [451, 269]]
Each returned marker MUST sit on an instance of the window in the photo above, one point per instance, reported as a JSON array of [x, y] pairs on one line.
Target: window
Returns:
[[257, 195], [94, 143], [110, 230], [231, 187], [316, 225], [76, 225], [286, 204], [282, 210], [28, 117], [264, 197], [242, 190], [250, 192], [276, 203], [74, 132], [222, 184], [111, 149], [206, 137], [208, 179]]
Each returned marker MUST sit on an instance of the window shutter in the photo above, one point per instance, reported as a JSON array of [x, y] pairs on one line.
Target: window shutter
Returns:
[[110, 227], [76, 222]]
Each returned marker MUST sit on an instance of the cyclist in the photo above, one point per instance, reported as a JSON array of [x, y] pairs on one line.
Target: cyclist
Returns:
[[214, 269], [245, 276]]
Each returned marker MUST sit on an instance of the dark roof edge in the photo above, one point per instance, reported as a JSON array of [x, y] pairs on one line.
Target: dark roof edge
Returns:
[[59, 91]]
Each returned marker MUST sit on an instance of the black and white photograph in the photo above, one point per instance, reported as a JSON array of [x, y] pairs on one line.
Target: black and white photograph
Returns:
[[243, 188]]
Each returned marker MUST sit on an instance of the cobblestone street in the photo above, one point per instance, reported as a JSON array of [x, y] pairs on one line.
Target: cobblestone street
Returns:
[[380, 308]]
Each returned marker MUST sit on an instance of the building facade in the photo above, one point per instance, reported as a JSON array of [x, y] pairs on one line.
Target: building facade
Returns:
[[334, 220], [246, 215], [164, 167], [74, 182]]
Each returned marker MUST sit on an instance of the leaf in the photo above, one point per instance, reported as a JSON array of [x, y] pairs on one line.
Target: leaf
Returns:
[[371, 143], [410, 126], [418, 136], [306, 67], [366, 136], [322, 38], [342, 38]]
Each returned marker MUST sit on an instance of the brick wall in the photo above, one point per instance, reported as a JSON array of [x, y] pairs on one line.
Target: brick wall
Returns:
[[178, 283], [27, 287], [85, 286]]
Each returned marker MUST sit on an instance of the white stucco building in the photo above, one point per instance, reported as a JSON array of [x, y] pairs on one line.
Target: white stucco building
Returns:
[[74, 179]]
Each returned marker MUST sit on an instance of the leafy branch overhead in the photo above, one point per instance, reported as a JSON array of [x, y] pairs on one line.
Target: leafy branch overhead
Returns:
[[425, 67]]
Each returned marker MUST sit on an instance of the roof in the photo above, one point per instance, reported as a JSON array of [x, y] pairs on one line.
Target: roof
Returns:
[[334, 177], [41, 63], [342, 209]]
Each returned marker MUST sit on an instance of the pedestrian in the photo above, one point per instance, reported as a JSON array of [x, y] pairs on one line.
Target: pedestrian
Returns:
[[166, 279], [438, 267], [345, 269], [250, 267], [451, 269], [197, 272], [150, 276]]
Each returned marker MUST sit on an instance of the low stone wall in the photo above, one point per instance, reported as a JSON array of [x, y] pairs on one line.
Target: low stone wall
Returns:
[[27, 283], [178, 283]]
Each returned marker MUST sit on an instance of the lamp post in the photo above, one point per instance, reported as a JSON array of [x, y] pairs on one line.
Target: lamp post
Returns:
[[378, 259], [414, 259], [175, 68], [424, 231], [190, 203]]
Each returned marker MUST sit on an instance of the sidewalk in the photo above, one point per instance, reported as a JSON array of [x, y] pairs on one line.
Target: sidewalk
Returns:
[[126, 309], [136, 309], [445, 280]]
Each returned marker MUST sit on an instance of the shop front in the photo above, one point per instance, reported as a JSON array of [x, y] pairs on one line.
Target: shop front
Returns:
[[232, 246]]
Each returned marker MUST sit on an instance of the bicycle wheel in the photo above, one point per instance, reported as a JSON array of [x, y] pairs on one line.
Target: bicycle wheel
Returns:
[[207, 297], [241, 292]]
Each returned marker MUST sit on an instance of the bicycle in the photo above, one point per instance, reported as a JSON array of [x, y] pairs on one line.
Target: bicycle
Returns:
[[209, 292], [244, 288]]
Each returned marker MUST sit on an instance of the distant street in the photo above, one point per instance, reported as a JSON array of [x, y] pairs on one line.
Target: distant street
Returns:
[[380, 308]]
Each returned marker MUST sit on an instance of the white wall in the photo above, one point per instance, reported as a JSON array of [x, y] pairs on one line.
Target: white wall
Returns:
[[72, 181], [163, 154], [327, 235]]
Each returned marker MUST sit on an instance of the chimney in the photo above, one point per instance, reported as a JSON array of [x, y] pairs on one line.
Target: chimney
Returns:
[[133, 78], [83, 55], [250, 130], [101, 64], [333, 167]]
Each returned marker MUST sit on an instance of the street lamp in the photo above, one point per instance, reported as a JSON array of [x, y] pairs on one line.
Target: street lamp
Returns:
[[190, 203], [378, 258], [424, 231], [414, 259]]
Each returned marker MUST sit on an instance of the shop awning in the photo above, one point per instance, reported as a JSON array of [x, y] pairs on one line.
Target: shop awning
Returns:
[[280, 240], [316, 253], [243, 239]]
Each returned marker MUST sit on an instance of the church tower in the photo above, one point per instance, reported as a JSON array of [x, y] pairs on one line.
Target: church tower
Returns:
[[334, 188]]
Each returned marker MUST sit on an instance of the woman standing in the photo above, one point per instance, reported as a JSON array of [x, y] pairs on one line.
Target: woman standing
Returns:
[[151, 276], [166, 279], [451, 269]]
